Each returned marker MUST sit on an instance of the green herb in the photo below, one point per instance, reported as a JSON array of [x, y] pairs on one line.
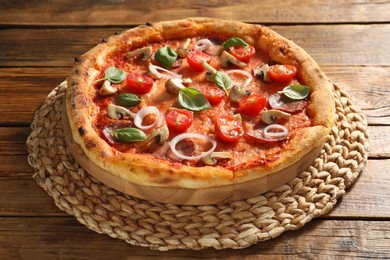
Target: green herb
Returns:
[[166, 56], [113, 75], [129, 134], [128, 99], [296, 92], [223, 81], [193, 100], [235, 41]]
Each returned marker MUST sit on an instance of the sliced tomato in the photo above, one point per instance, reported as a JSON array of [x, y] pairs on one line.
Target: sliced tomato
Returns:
[[253, 104], [139, 83], [282, 73], [243, 53], [179, 120], [196, 58], [213, 94], [228, 129]]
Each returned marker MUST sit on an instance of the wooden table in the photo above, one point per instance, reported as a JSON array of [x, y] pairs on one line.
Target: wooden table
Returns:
[[38, 42]]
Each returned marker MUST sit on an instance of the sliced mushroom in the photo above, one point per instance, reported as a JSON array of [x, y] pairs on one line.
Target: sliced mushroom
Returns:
[[174, 85], [183, 50], [262, 72], [117, 112], [160, 135], [240, 91], [209, 68], [227, 59], [145, 53], [107, 89], [271, 116], [212, 158]]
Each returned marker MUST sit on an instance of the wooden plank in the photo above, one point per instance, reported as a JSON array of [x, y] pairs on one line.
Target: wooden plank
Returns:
[[25, 89], [98, 13], [367, 198], [57, 238], [329, 45]]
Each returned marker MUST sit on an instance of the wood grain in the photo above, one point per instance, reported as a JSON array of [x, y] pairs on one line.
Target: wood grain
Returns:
[[58, 238], [328, 45], [103, 13]]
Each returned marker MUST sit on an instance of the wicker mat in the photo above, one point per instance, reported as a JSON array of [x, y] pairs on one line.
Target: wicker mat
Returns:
[[167, 226]]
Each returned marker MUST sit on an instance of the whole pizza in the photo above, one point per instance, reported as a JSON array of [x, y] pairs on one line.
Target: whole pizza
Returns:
[[197, 111]]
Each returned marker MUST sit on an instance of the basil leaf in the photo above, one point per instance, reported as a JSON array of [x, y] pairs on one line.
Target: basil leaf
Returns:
[[113, 75], [166, 56], [129, 134], [193, 100], [296, 92], [128, 99], [223, 81], [235, 41]]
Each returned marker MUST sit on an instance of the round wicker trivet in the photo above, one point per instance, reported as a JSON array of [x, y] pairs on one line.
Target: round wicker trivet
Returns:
[[167, 226]]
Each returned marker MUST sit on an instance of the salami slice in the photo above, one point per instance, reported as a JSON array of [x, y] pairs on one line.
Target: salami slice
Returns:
[[280, 102]]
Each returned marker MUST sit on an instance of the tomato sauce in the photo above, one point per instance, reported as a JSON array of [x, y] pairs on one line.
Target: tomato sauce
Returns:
[[245, 154]]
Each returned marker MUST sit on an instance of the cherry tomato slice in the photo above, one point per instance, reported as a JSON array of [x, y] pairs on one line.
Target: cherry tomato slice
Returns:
[[282, 73], [179, 120], [213, 94], [195, 59], [243, 53], [139, 83], [228, 129], [252, 104]]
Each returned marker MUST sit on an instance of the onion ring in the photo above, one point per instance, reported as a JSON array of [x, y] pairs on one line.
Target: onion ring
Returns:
[[202, 45], [275, 135], [169, 74], [180, 137], [142, 113]]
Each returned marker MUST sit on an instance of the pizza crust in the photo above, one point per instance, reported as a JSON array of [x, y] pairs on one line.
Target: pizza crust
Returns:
[[147, 170]]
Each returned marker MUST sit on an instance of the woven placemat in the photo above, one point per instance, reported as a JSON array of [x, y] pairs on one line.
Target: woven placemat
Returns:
[[167, 226]]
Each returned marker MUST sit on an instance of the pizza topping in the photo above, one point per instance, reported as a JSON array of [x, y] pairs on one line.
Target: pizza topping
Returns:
[[223, 81], [113, 75], [128, 99], [166, 56], [262, 72], [280, 102], [174, 85], [117, 112], [202, 45], [139, 83], [296, 92], [212, 158], [228, 129], [272, 116], [235, 41], [129, 134], [166, 75], [183, 50], [240, 91], [144, 53], [253, 104], [240, 72], [193, 100], [282, 73], [243, 53], [275, 132], [143, 113], [227, 59], [213, 94], [160, 135], [177, 139], [179, 120], [107, 89], [196, 58]]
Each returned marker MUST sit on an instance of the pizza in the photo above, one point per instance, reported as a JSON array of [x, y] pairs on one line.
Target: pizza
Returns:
[[197, 104]]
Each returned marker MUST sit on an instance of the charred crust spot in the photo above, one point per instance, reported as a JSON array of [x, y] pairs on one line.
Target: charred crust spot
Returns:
[[81, 131], [117, 33], [283, 50], [76, 72], [104, 40], [149, 23], [78, 59]]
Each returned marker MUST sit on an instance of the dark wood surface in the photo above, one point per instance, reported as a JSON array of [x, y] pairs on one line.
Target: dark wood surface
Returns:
[[38, 42]]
